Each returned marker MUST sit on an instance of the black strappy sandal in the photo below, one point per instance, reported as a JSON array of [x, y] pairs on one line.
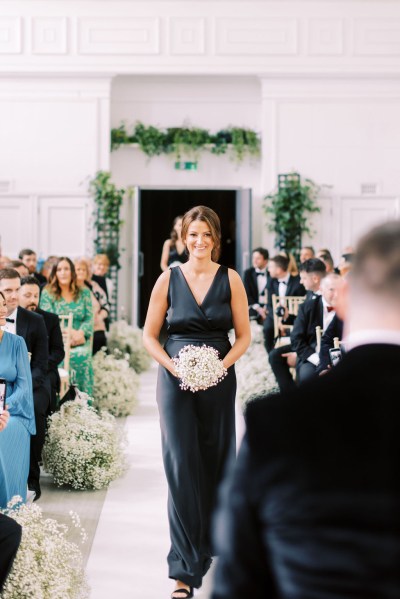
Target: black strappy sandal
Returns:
[[188, 593]]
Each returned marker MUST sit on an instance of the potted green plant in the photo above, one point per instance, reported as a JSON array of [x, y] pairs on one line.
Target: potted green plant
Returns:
[[290, 206]]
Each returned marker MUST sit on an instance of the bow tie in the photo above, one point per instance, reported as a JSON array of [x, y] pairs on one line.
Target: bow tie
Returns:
[[282, 282], [261, 273], [330, 308], [10, 320]]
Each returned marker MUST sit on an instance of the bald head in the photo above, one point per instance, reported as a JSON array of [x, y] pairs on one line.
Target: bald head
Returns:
[[330, 287]]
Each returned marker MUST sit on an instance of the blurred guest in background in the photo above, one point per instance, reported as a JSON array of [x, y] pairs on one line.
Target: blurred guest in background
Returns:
[[19, 266], [62, 295], [3, 261], [306, 253], [313, 507], [47, 266], [100, 303], [29, 258], [173, 252], [292, 267], [345, 263]]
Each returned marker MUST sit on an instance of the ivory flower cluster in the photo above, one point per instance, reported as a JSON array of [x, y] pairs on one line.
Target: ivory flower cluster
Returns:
[[115, 385], [83, 449], [199, 367], [129, 340], [47, 565]]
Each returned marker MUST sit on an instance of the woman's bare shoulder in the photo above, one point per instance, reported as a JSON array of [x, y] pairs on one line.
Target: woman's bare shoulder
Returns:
[[163, 281]]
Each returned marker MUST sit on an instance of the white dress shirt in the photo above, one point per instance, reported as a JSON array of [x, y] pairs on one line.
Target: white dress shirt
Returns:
[[326, 319], [261, 285], [11, 327], [283, 283]]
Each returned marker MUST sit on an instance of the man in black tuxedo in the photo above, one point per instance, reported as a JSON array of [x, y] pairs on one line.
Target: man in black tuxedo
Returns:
[[335, 329], [283, 358], [32, 328], [10, 530], [312, 509], [316, 312], [29, 258], [255, 280], [281, 283], [29, 295]]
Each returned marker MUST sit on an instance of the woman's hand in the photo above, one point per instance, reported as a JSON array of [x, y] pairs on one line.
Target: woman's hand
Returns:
[[77, 337], [4, 417]]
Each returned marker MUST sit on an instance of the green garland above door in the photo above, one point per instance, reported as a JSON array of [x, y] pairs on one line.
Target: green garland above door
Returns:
[[188, 142]]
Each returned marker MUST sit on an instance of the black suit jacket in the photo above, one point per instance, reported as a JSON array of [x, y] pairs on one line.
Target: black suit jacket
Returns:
[[250, 284], [312, 510], [294, 287], [55, 341], [32, 328], [303, 336], [335, 329]]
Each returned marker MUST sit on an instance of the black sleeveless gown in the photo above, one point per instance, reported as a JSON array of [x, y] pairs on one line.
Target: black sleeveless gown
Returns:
[[197, 429]]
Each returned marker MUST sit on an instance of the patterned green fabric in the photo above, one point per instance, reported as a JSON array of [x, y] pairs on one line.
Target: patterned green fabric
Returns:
[[82, 310]]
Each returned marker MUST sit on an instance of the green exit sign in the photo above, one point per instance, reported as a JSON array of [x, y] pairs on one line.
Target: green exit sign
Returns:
[[186, 166]]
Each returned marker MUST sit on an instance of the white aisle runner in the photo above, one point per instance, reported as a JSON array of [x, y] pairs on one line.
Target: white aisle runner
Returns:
[[128, 557]]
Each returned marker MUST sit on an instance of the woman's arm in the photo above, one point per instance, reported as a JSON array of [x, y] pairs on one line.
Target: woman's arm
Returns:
[[240, 316], [157, 309], [20, 401], [46, 301], [165, 255]]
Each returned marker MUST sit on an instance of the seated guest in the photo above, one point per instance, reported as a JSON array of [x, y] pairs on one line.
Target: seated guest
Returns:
[[255, 282], [47, 266], [29, 295], [327, 259], [15, 439], [19, 266], [10, 530], [3, 261], [29, 258], [317, 312], [306, 253], [335, 329], [283, 358], [99, 301], [345, 263], [100, 268], [312, 508], [32, 328], [62, 295], [281, 283], [292, 266]]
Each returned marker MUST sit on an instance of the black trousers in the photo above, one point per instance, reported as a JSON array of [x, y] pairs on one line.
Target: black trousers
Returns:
[[10, 538], [280, 367], [41, 401], [268, 330], [53, 381], [306, 371], [198, 444]]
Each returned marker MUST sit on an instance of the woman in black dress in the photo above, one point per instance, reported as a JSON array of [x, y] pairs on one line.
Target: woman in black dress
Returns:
[[173, 252], [202, 301]]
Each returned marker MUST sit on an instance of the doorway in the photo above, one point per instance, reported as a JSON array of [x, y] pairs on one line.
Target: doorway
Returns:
[[156, 211]]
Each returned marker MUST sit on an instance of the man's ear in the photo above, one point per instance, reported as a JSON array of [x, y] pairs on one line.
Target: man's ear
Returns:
[[343, 301]]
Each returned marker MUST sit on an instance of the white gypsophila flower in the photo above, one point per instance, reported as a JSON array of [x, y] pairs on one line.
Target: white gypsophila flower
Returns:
[[129, 340], [47, 564], [83, 449], [199, 367], [253, 371], [116, 385]]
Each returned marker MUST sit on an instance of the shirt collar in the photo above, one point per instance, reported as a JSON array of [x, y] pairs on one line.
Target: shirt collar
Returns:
[[371, 336], [13, 314], [285, 279], [263, 271]]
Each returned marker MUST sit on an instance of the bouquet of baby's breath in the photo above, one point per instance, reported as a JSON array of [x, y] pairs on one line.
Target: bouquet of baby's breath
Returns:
[[199, 367], [253, 372], [115, 385], [83, 449], [129, 340], [47, 565]]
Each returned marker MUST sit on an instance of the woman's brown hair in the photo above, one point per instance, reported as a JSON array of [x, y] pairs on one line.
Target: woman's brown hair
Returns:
[[174, 234], [54, 287], [208, 216]]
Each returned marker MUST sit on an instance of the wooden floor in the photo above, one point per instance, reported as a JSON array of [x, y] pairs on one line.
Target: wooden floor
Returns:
[[127, 525]]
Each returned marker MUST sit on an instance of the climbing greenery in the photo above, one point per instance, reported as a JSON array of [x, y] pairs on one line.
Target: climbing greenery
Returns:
[[108, 199], [187, 141], [289, 208]]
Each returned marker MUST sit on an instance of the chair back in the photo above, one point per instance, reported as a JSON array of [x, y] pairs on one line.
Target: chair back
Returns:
[[336, 342], [318, 333], [292, 303], [66, 330]]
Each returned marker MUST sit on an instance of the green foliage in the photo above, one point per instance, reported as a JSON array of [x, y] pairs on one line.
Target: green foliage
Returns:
[[107, 220], [290, 207], [188, 141]]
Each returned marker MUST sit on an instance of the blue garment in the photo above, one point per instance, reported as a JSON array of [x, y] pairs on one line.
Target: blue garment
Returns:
[[15, 438]]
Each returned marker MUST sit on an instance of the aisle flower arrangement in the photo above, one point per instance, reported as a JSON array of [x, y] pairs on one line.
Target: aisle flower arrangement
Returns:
[[128, 340], [253, 372], [47, 565], [115, 385], [83, 449]]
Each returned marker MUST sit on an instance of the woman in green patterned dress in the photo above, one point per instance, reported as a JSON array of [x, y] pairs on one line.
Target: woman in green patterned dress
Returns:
[[62, 296]]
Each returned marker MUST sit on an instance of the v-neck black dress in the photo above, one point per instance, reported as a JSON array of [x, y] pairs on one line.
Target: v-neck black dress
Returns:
[[198, 429]]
